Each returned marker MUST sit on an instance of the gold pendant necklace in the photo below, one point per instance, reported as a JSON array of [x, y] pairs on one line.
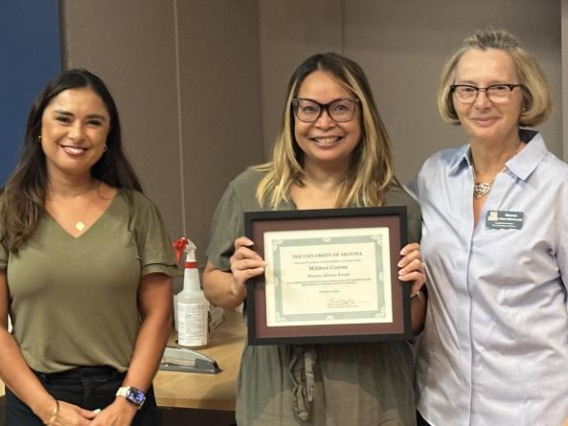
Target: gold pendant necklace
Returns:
[[80, 224], [481, 189]]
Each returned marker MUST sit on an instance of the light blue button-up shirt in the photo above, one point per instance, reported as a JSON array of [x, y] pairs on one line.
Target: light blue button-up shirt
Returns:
[[494, 350]]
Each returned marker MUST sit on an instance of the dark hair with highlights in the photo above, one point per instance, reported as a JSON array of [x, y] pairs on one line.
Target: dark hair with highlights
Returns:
[[371, 171]]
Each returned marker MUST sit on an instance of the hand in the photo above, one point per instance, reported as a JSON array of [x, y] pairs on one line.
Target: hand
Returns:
[[119, 413], [412, 268], [245, 264], [72, 415]]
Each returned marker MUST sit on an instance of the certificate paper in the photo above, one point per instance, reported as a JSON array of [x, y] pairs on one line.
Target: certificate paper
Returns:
[[328, 276]]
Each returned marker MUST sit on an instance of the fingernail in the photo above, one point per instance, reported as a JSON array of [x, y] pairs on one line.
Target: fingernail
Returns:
[[400, 264]]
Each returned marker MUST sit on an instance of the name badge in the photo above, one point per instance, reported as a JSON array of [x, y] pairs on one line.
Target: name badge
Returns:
[[504, 220]]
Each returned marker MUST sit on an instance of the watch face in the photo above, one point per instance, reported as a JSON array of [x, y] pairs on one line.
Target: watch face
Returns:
[[136, 396]]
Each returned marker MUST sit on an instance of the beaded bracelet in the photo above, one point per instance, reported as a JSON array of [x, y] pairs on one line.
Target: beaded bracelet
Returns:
[[55, 412]]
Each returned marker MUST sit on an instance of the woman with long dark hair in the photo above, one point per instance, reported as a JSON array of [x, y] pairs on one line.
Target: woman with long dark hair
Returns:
[[85, 268]]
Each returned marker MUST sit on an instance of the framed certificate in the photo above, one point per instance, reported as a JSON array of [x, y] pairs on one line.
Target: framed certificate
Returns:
[[331, 276]]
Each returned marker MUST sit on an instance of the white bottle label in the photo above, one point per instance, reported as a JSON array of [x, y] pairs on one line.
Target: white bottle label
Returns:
[[192, 324]]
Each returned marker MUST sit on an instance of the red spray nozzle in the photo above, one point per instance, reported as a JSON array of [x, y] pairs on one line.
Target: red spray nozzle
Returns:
[[179, 246], [186, 245]]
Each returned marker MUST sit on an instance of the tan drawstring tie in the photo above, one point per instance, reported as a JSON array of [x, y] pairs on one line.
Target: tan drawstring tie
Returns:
[[301, 370]]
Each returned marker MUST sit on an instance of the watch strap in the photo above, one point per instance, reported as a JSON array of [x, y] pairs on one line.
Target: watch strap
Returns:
[[133, 395]]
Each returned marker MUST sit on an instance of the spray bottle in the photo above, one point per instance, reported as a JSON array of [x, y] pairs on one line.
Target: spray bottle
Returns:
[[192, 307]]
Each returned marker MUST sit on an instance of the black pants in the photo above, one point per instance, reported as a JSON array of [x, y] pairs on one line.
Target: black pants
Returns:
[[87, 387], [420, 420]]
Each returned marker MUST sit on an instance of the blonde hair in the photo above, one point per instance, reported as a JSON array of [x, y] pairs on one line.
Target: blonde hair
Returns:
[[537, 99], [370, 173]]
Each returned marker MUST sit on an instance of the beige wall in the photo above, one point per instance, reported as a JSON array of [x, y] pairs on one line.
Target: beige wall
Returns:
[[220, 103], [402, 46], [185, 76], [200, 84], [290, 31], [135, 56]]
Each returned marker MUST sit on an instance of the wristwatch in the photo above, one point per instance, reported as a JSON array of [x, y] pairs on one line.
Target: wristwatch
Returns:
[[133, 395]]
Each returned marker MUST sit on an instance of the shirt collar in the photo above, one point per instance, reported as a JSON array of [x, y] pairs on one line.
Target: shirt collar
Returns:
[[521, 165], [527, 160], [460, 161]]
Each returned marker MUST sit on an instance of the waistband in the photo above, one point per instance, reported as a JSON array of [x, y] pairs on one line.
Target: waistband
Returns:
[[80, 374]]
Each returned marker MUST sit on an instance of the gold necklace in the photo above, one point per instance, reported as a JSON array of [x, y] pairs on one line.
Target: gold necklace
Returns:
[[80, 224], [481, 189]]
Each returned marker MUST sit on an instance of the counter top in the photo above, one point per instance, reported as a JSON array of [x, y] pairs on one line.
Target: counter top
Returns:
[[207, 391]]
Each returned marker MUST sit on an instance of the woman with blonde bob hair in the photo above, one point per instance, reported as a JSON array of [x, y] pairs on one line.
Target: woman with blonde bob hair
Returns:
[[494, 239], [537, 99], [332, 151]]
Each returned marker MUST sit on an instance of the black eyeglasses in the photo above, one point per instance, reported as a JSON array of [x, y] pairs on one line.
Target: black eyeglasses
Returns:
[[340, 110], [497, 93]]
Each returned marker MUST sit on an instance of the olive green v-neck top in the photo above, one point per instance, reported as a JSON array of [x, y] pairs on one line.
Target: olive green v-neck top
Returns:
[[73, 301]]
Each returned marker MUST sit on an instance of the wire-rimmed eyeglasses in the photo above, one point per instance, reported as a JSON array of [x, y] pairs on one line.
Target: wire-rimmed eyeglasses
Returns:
[[496, 93], [340, 110]]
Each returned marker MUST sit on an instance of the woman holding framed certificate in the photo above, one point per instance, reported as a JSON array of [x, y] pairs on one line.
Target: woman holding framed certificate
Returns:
[[332, 152]]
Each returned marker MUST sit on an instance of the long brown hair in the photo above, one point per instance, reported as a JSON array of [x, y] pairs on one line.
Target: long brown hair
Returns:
[[23, 196]]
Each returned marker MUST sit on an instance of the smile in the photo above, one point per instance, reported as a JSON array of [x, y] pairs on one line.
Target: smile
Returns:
[[329, 140], [73, 150], [485, 120]]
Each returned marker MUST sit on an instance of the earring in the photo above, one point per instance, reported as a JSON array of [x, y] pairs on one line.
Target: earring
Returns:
[[105, 148], [39, 138]]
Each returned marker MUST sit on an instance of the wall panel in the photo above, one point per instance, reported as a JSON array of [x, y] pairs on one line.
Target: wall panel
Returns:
[[185, 75], [403, 46], [290, 31], [201, 84], [131, 46], [220, 103]]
